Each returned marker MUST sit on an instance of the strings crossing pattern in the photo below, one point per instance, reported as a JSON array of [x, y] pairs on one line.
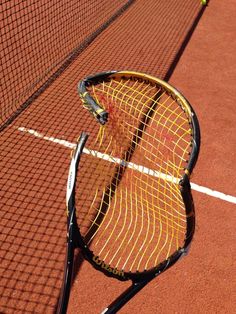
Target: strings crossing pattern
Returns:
[[132, 214]]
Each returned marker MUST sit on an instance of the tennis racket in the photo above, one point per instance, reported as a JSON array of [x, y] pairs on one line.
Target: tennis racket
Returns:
[[129, 203]]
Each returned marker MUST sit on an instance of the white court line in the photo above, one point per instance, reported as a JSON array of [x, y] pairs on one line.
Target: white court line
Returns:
[[194, 186]]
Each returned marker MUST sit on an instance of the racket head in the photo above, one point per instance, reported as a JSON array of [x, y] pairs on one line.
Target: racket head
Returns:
[[130, 106], [101, 113]]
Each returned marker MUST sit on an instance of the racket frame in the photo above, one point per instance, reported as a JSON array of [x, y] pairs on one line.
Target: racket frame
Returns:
[[75, 239]]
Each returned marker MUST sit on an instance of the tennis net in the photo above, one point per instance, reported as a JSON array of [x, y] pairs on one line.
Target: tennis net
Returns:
[[40, 39]]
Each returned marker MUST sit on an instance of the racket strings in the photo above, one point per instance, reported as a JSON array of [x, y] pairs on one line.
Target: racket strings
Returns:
[[167, 125], [142, 97], [136, 217], [146, 172], [158, 207], [136, 205], [149, 210]]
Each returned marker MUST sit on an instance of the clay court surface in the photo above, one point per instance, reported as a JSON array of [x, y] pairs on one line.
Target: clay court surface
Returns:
[[34, 163]]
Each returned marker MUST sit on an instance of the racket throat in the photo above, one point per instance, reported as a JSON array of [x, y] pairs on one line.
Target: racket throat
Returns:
[[128, 294]]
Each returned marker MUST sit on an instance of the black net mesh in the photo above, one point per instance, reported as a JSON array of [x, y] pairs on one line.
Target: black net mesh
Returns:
[[46, 48]]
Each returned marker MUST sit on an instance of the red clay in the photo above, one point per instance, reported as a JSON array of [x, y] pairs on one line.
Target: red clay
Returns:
[[34, 171]]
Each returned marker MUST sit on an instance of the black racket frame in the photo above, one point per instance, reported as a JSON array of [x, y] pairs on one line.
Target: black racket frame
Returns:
[[74, 237]]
